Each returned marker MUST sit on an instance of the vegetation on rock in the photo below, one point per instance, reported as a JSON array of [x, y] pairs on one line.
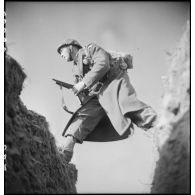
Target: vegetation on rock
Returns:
[[33, 163], [172, 173]]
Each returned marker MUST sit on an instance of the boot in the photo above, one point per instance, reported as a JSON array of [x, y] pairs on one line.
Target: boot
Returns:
[[67, 155], [67, 148]]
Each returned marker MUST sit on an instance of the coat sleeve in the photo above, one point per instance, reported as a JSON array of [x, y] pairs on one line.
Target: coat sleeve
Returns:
[[76, 73], [101, 65]]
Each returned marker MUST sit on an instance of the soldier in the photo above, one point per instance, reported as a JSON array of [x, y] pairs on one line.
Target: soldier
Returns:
[[111, 91]]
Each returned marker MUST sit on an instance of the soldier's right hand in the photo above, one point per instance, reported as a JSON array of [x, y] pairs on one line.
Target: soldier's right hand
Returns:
[[77, 88]]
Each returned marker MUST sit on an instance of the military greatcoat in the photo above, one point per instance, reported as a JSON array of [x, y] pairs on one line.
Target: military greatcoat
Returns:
[[117, 96]]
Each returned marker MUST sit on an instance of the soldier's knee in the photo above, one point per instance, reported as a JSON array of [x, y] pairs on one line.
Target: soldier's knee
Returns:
[[144, 118], [149, 117]]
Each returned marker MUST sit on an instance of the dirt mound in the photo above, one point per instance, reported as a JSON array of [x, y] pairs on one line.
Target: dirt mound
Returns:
[[172, 173], [33, 164]]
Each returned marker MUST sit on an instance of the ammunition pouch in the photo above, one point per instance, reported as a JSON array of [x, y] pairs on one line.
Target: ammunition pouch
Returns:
[[96, 88]]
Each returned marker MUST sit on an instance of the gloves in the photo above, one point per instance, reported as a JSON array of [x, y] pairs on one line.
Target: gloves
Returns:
[[77, 88]]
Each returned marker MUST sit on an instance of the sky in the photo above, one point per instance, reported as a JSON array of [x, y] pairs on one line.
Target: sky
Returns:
[[146, 30]]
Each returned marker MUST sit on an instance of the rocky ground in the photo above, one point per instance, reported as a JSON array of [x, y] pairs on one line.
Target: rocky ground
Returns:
[[172, 173], [33, 164]]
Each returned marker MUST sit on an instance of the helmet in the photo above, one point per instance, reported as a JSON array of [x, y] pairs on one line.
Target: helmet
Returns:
[[68, 42]]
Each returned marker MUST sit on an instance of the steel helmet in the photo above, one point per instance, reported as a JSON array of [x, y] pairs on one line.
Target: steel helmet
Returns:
[[68, 42]]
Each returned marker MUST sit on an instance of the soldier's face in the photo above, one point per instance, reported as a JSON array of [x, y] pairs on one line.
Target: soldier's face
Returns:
[[65, 53]]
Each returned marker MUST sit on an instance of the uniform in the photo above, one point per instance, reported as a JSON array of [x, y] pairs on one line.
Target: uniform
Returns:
[[116, 99]]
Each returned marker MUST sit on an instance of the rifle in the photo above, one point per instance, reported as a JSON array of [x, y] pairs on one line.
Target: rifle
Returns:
[[62, 84], [83, 96]]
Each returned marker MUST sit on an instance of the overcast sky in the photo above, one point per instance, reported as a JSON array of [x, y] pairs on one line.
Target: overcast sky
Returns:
[[147, 30]]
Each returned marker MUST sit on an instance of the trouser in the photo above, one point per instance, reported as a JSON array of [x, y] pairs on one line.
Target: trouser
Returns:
[[90, 115], [86, 120]]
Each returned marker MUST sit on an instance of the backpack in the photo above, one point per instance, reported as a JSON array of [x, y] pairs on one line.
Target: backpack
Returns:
[[124, 60]]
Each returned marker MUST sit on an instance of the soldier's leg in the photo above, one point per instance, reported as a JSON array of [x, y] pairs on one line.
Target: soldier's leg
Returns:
[[86, 120], [67, 148], [83, 124], [139, 112], [144, 118]]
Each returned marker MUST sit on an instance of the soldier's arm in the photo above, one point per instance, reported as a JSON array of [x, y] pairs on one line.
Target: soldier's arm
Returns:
[[101, 65]]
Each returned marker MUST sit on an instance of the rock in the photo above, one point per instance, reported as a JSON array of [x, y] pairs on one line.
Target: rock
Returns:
[[172, 173], [33, 164]]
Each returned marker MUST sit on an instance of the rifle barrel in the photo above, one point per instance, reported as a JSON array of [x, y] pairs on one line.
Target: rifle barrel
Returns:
[[63, 84]]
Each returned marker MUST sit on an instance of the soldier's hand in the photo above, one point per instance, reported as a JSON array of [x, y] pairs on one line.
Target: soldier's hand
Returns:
[[77, 88]]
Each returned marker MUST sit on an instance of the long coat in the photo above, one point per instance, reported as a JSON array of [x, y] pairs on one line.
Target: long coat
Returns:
[[117, 96]]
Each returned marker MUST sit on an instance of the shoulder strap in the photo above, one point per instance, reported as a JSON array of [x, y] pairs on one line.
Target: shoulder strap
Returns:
[[80, 61], [86, 51]]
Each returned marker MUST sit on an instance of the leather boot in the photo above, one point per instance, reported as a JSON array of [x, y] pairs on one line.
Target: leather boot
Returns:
[[67, 155]]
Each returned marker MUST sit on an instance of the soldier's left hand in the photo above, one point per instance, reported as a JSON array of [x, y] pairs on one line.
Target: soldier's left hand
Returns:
[[77, 88]]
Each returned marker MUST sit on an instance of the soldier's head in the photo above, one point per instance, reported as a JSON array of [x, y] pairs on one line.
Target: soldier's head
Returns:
[[69, 49]]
